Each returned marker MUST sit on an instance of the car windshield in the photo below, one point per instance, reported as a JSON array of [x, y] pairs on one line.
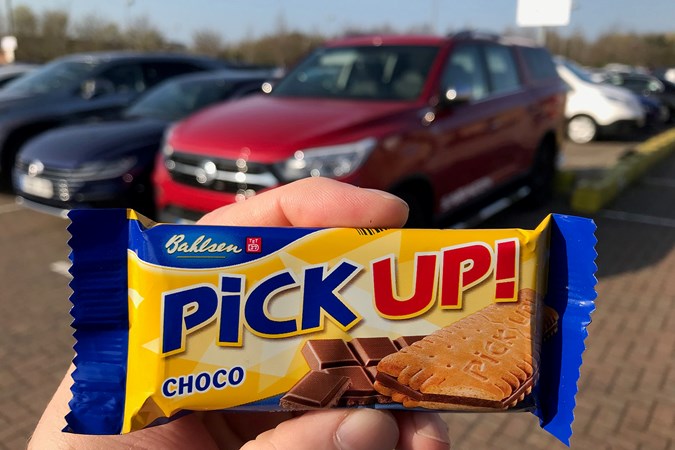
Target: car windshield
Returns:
[[371, 73], [174, 100], [578, 71], [53, 77]]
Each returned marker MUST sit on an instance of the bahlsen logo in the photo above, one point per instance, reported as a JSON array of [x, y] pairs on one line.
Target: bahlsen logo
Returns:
[[200, 247]]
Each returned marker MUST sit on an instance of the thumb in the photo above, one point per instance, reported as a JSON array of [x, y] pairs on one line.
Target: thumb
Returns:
[[356, 429]]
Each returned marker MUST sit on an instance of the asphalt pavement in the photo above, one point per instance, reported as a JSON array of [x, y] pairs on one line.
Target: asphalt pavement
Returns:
[[626, 396]]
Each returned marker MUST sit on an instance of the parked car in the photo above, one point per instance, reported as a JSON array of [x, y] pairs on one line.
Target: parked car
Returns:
[[81, 87], [443, 122], [10, 72], [594, 109], [108, 164], [665, 73], [668, 96], [656, 113], [648, 86]]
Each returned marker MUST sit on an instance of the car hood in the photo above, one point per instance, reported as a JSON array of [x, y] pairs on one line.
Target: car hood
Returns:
[[69, 147], [271, 127], [617, 92], [11, 102]]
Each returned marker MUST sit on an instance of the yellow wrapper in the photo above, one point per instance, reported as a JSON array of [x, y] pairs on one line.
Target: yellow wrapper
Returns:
[[210, 318]]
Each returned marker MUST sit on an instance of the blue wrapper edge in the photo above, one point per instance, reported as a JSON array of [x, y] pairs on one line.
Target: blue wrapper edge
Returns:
[[571, 292], [100, 318]]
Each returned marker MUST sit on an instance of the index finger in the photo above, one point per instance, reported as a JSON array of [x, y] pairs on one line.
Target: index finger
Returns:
[[314, 202]]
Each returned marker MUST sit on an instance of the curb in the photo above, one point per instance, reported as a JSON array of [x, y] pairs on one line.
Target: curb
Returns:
[[590, 195]]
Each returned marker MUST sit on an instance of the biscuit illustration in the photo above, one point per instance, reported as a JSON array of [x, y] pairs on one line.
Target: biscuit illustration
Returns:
[[486, 360], [550, 322]]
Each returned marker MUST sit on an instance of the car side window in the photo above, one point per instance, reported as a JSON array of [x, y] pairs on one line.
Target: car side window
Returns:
[[124, 78], [634, 84], [502, 68], [539, 63], [465, 71], [156, 72]]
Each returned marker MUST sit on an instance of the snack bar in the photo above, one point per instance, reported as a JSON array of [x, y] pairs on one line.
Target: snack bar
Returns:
[[175, 318]]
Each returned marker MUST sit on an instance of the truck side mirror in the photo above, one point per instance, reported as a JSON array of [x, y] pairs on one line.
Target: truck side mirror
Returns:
[[267, 87], [455, 95]]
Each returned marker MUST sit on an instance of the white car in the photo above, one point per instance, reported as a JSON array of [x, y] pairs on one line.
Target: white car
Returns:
[[593, 108]]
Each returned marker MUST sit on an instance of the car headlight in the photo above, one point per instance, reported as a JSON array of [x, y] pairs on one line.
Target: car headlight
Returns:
[[103, 170], [332, 161]]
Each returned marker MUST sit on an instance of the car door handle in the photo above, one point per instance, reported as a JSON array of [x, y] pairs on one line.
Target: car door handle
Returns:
[[535, 111], [496, 124]]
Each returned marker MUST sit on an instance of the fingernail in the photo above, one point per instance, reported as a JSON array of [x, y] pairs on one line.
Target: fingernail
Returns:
[[367, 429], [387, 195], [431, 426]]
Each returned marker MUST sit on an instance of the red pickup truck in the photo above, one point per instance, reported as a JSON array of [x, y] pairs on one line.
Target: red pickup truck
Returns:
[[443, 122]]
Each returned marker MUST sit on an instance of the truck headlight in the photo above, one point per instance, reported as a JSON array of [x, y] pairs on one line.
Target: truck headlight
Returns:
[[167, 149], [331, 161]]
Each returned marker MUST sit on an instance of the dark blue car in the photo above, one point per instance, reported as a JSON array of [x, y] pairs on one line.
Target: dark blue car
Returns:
[[109, 164], [82, 87]]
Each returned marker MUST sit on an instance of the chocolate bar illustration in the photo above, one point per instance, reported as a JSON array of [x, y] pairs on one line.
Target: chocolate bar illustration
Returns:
[[316, 390], [355, 360]]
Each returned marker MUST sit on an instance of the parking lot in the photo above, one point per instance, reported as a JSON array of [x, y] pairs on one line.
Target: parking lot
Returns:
[[627, 389]]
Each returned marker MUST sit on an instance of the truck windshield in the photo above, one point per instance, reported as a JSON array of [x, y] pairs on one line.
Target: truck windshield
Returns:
[[370, 73]]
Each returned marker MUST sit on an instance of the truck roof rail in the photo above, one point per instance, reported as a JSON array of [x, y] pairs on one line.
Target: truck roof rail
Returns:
[[475, 34]]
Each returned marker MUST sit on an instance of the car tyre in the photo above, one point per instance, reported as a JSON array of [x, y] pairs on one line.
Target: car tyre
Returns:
[[6, 175], [581, 129], [665, 114]]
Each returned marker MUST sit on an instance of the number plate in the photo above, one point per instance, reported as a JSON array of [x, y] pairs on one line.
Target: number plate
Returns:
[[38, 187]]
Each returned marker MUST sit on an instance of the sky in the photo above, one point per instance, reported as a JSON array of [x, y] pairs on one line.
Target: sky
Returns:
[[240, 19]]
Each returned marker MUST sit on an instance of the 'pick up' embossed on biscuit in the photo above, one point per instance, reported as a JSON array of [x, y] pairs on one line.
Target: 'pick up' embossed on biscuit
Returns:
[[486, 360]]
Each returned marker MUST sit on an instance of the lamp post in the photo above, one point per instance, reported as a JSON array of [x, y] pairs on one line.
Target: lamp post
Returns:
[[10, 17], [127, 12]]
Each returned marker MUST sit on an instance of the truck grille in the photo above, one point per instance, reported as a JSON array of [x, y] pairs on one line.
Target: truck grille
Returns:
[[216, 174]]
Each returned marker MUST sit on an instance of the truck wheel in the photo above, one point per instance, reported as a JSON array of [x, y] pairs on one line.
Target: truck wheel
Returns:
[[419, 214], [581, 129], [542, 174]]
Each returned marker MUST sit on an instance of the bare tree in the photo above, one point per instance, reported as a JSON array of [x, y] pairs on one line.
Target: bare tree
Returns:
[[25, 21], [94, 33], [48, 35], [207, 42], [353, 30], [55, 24], [142, 35], [54, 33]]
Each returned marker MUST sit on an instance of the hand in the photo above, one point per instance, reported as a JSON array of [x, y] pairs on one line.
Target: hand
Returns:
[[315, 202]]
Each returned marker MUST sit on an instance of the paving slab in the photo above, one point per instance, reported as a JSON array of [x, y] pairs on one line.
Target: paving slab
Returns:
[[626, 394]]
